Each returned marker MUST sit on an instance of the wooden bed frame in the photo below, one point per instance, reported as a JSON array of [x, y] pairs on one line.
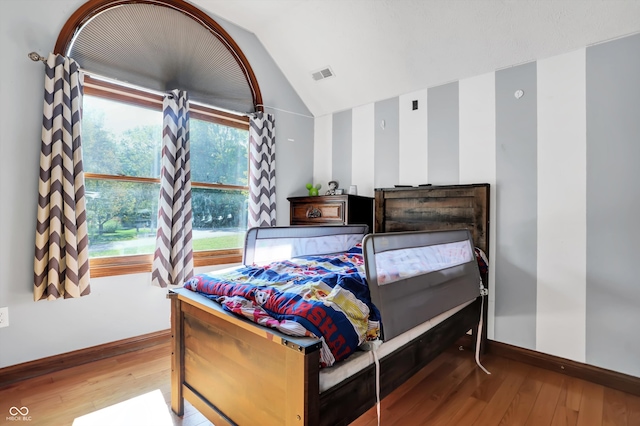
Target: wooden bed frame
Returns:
[[235, 372]]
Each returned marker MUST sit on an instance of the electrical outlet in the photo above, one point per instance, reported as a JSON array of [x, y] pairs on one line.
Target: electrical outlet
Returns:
[[4, 317]]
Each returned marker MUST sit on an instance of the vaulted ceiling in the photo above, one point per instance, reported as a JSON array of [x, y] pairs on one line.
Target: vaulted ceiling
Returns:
[[378, 49]]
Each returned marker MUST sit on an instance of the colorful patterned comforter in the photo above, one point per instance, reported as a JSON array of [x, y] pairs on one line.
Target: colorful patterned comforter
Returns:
[[321, 296]]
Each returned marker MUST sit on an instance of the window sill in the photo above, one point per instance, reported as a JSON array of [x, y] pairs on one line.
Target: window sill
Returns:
[[124, 265]]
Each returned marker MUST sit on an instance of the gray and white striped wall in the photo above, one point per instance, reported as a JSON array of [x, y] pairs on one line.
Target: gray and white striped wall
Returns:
[[564, 164]]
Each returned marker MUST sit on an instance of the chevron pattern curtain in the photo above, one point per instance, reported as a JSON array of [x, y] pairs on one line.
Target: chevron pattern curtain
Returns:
[[61, 266], [262, 170], [173, 257]]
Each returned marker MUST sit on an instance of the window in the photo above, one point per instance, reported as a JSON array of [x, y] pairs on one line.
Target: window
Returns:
[[126, 40], [122, 143]]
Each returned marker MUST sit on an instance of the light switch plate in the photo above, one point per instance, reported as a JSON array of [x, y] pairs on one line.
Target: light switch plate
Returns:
[[4, 317]]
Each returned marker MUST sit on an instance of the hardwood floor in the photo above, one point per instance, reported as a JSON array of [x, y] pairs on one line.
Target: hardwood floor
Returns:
[[134, 389]]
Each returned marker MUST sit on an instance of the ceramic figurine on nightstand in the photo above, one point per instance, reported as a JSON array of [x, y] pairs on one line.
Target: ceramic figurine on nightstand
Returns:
[[313, 190], [333, 185]]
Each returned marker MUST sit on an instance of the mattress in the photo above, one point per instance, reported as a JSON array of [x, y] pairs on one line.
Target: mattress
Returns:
[[331, 376]]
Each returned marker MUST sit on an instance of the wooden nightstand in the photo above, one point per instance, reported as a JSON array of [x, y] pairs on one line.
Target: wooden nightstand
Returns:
[[332, 210]]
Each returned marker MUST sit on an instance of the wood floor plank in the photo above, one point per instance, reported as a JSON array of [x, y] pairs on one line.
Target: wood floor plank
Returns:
[[614, 408], [43, 398], [518, 411], [468, 412], [566, 413], [427, 370], [564, 416], [486, 390], [573, 393], [450, 405], [501, 400], [633, 409], [591, 405], [544, 408], [442, 392], [64, 415], [411, 403]]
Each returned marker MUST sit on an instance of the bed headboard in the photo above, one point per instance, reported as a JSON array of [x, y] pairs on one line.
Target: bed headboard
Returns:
[[435, 208]]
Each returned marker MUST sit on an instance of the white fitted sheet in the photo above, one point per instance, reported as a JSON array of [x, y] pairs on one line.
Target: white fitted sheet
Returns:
[[360, 360]]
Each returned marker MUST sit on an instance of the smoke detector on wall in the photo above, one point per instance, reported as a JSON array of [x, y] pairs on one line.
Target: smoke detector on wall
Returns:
[[325, 72]]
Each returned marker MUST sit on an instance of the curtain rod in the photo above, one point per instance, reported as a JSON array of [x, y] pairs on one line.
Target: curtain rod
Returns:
[[34, 56], [284, 110]]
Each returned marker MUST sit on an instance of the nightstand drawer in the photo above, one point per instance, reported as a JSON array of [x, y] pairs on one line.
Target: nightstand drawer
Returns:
[[317, 212]]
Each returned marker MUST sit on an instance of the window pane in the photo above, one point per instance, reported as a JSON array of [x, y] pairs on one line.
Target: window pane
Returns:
[[122, 217], [219, 218], [218, 153], [126, 140], [120, 139]]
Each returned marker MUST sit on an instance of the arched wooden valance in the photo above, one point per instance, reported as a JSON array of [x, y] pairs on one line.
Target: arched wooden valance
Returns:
[[161, 45]]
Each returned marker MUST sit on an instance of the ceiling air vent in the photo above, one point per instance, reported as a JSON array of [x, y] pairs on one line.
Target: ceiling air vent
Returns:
[[322, 74]]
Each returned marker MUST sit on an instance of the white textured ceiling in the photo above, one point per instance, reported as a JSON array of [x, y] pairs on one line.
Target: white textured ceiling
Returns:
[[383, 48]]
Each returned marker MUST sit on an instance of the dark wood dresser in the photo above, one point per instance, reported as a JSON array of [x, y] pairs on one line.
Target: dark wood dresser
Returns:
[[332, 210]]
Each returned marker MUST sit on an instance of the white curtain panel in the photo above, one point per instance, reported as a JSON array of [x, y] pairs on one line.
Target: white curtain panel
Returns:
[[61, 265], [262, 170], [173, 257]]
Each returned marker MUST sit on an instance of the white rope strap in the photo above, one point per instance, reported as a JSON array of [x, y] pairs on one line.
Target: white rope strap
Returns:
[[483, 293], [377, 361], [373, 346]]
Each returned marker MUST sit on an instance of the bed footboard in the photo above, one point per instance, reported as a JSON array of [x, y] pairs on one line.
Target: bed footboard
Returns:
[[235, 372]]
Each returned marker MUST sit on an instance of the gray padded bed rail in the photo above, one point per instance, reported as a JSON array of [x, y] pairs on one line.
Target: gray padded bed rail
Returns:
[[292, 234], [413, 300]]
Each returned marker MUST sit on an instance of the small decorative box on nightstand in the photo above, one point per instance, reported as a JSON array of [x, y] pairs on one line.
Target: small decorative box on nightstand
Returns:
[[332, 210]]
